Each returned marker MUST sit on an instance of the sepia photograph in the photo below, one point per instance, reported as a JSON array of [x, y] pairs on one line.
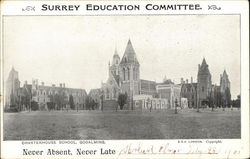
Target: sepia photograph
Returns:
[[117, 77]]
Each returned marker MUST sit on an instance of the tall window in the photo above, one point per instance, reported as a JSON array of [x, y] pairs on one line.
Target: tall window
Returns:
[[128, 74], [134, 73], [107, 94], [202, 88], [114, 93], [124, 74]]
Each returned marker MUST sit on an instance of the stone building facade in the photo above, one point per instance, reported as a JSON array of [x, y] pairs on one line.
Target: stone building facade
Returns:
[[225, 88], [124, 77], [148, 87], [12, 90], [198, 93], [96, 94], [204, 83], [171, 92], [224, 82], [43, 94], [21, 97], [189, 91]]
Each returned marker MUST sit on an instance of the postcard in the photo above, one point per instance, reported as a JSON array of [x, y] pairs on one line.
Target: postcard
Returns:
[[124, 79]]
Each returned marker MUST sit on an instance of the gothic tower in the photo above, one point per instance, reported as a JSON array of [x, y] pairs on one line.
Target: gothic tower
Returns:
[[204, 83], [224, 82], [129, 69], [12, 89], [225, 88], [114, 68]]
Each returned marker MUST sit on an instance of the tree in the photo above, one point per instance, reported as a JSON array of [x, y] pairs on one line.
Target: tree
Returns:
[[93, 104], [90, 103], [59, 99], [210, 100], [51, 105], [176, 105], [71, 102], [122, 100], [13, 103], [102, 101], [26, 98], [34, 105], [236, 102]]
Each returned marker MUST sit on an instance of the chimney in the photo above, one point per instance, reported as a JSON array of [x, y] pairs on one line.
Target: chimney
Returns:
[[63, 85], [60, 84], [53, 85], [186, 80], [42, 83], [191, 79]]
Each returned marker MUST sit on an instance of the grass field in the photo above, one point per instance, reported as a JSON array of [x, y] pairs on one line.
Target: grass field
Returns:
[[187, 124]]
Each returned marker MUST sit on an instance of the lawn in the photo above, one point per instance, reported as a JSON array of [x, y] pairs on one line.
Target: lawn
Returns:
[[58, 125]]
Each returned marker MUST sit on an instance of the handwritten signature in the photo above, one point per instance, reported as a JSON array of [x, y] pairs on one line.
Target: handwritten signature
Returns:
[[139, 148]]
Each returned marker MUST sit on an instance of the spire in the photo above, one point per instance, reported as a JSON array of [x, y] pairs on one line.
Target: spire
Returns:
[[116, 58], [129, 54], [204, 61], [116, 53], [224, 73], [129, 42]]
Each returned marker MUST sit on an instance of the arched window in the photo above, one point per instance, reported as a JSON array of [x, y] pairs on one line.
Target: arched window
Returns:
[[128, 74], [134, 73], [114, 93], [202, 89], [124, 74], [107, 94]]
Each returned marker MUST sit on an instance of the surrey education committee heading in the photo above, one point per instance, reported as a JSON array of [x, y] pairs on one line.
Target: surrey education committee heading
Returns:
[[120, 7]]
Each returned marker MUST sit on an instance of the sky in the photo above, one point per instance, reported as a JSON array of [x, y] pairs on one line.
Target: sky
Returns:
[[76, 50]]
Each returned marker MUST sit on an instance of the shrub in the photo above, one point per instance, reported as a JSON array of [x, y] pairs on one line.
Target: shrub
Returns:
[[34, 105]]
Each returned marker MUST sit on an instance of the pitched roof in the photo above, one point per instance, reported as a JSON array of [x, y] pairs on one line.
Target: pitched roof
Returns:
[[116, 53], [204, 68], [224, 73], [204, 62], [129, 54]]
